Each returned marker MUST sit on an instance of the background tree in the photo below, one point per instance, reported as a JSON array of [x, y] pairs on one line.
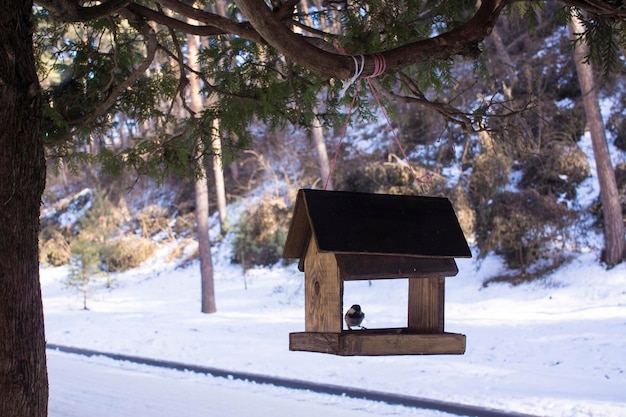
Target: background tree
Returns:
[[208, 304], [106, 53], [614, 242]]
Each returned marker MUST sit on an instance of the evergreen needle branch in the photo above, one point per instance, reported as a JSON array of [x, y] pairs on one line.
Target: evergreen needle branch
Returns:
[[207, 85], [611, 9], [115, 48], [113, 94], [275, 27], [214, 24], [72, 11]]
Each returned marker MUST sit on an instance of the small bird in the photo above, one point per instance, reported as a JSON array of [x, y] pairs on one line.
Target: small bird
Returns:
[[354, 317]]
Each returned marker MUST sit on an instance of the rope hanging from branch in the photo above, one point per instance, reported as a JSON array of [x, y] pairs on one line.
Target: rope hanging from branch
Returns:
[[380, 65]]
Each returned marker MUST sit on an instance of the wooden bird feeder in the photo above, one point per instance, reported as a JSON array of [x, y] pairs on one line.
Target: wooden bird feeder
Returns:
[[344, 236]]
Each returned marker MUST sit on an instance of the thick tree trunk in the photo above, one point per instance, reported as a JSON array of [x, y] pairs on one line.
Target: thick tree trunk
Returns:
[[614, 242], [23, 377]]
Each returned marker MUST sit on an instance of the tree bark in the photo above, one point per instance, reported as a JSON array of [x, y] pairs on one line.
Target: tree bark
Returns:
[[614, 242], [23, 377], [218, 165], [208, 304], [317, 133], [218, 172]]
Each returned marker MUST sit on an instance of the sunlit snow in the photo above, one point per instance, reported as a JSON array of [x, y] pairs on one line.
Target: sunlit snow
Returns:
[[554, 347]]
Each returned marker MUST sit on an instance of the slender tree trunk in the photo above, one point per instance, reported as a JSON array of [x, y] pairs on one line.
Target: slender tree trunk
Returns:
[[317, 133], [505, 58], [234, 170], [218, 171], [23, 377], [202, 195], [204, 246], [614, 242], [218, 165], [317, 130]]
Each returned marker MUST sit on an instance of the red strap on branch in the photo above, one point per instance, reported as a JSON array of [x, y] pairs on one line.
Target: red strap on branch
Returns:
[[380, 65]]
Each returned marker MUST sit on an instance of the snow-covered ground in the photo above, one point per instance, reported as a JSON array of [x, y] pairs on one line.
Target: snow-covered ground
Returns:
[[555, 347], [98, 387]]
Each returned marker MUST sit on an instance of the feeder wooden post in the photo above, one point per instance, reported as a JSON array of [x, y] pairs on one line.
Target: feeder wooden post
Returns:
[[426, 305], [323, 292]]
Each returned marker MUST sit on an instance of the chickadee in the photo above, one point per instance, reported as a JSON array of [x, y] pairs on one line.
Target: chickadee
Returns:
[[354, 317]]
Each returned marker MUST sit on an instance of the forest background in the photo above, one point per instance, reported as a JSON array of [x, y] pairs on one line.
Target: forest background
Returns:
[[484, 94], [513, 185]]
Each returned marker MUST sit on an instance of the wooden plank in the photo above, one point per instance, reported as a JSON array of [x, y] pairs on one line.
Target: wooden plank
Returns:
[[323, 291], [314, 342], [358, 267], [299, 230], [426, 305], [379, 342]]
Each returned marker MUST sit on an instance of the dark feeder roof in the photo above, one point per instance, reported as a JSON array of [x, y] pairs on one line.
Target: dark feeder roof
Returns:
[[375, 224]]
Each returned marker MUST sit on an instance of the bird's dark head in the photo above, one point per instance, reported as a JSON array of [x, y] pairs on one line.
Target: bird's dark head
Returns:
[[356, 308]]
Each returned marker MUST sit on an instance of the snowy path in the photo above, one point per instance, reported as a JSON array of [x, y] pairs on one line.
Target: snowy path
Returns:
[[100, 387]]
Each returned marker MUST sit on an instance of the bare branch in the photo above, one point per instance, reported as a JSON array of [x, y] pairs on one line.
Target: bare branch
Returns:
[[468, 121], [72, 11]]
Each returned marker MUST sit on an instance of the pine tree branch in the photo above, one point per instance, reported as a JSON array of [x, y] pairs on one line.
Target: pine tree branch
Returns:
[[462, 41], [114, 92], [275, 27], [220, 24], [611, 9], [72, 11], [293, 46]]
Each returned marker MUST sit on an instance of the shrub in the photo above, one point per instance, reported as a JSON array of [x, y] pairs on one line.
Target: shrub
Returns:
[[126, 253], [490, 173], [523, 227], [55, 249], [153, 220], [391, 177], [184, 224], [262, 233], [465, 213], [84, 263], [559, 169]]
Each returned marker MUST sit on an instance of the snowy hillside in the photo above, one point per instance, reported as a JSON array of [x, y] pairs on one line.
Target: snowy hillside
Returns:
[[553, 347]]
